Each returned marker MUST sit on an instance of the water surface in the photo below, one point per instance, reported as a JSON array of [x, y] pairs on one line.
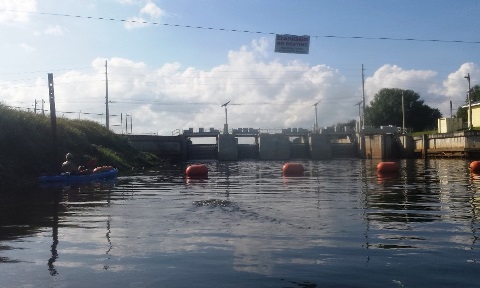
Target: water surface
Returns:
[[340, 225]]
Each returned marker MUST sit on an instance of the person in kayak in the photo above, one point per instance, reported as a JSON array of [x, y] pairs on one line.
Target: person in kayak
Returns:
[[69, 165]]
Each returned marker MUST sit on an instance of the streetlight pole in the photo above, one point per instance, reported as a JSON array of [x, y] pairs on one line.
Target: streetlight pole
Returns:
[[225, 127], [316, 118], [469, 103]]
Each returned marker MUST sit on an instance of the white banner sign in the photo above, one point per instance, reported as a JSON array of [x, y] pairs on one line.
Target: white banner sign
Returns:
[[292, 44]]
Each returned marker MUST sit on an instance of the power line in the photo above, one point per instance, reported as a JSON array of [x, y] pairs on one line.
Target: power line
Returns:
[[244, 31]]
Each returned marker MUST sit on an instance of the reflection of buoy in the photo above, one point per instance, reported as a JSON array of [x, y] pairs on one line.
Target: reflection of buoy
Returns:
[[387, 177], [293, 169], [197, 171], [387, 167], [475, 166]]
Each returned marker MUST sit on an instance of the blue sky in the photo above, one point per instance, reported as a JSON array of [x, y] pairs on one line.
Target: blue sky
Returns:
[[176, 69]]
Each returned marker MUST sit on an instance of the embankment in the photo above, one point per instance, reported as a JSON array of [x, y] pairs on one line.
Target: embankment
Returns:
[[27, 146]]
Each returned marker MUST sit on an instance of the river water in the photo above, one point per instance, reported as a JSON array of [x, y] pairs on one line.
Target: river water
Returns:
[[340, 225]]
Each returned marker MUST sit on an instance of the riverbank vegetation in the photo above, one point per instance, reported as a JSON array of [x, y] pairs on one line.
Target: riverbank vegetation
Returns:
[[27, 146]]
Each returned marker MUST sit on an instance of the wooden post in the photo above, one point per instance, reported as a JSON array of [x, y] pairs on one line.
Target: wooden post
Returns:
[[53, 121]]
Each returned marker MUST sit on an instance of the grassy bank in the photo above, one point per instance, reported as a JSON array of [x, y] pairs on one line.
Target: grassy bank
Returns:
[[27, 150]]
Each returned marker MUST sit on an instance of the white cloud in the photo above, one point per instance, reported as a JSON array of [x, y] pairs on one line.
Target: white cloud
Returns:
[[129, 2], [51, 30], [456, 85], [149, 9], [55, 30], [393, 76], [27, 48], [435, 93], [16, 11], [152, 10], [264, 92]]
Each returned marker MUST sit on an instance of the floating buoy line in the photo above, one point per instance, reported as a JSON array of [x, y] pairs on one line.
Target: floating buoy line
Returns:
[[200, 171]]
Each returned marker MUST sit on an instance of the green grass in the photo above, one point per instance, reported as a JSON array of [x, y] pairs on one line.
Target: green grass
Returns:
[[27, 150]]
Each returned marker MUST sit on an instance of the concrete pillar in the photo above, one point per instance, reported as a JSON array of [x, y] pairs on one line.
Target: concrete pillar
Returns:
[[362, 152], [183, 148], [408, 146], [374, 146], [320, 147], [425, 145], [227, 147]]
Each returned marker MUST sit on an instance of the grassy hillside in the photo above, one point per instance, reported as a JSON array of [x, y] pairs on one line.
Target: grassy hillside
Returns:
[[26, 145]]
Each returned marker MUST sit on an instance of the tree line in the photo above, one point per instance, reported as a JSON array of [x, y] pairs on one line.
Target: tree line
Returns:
[[386, 109]]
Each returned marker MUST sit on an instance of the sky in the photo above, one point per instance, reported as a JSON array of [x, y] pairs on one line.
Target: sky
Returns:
[[170, 65]]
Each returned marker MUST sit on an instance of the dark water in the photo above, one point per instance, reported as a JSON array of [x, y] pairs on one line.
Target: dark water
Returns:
[[341, 225]]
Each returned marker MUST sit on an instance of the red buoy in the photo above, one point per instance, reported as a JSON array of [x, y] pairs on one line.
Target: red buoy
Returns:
[[475, 166], [197, 171], [387, 167], [293, 169]]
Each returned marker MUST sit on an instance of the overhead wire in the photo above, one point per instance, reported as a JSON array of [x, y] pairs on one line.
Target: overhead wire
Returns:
[[244, 31], [229, 78]]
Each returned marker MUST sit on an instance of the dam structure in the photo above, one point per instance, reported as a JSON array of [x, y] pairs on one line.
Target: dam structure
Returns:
[[385, 143], [264, 144]]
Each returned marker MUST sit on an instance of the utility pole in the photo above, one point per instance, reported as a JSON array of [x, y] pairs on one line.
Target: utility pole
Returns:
[[451, 109], [35, 106], [469, 103], [53, 118], [225, 127], [403, 115], [363, 97], [121, 122], [316, 119], [359, 126], [126, 124], [107, 124]]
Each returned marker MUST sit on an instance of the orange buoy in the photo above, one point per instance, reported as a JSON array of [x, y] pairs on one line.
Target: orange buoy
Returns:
[[387, 167], [293, 169], [197, 171], [475, 166]]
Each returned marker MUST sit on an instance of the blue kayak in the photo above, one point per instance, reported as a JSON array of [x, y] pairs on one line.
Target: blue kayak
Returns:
[[76, 178]]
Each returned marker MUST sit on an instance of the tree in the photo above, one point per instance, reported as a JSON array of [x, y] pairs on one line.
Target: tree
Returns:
[[475, 96], [350, 124], [386, 109]]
